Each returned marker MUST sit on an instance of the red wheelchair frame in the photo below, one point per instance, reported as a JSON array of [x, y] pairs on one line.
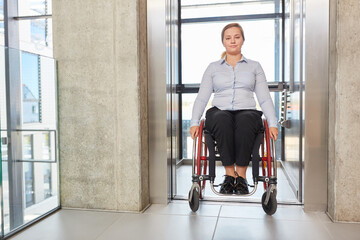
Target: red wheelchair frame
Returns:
[[205, 155]]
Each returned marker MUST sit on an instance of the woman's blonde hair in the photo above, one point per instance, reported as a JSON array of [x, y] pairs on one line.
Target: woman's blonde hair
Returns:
[[230, 25]]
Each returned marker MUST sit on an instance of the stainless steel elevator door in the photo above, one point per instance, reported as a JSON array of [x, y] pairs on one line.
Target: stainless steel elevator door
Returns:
[[292, 153]]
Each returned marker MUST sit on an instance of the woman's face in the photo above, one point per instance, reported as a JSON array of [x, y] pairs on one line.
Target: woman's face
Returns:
[[233, 41]]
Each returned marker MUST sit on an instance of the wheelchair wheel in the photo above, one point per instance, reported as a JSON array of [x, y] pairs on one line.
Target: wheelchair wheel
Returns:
[[266, 156], [201, 160], [194, 201], [271, 206], [203, 171]]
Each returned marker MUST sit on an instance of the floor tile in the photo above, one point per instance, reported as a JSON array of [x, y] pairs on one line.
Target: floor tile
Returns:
[[160, 227], [255, 211], [70, 225], [348, 231], [263, 229], [182, 208], [237, 228], [296, 230]]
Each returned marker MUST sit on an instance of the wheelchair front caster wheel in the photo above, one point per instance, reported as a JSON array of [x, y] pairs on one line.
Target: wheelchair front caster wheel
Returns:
[[194, 201], [271, 206]]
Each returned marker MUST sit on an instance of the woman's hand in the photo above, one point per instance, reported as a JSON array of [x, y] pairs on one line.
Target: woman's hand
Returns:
[[273, 132], [194, 131]]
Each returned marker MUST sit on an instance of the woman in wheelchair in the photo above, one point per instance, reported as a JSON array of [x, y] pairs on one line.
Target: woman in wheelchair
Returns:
[[233, 121]]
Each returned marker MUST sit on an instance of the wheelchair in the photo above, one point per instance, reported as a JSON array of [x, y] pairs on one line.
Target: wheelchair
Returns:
[[205, 155]]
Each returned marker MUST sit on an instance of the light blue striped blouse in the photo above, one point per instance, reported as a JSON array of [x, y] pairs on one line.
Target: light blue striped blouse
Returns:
[[234, 89]]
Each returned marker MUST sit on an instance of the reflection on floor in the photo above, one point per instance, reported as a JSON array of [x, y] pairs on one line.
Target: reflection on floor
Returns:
[[176, 221], [183, 184]]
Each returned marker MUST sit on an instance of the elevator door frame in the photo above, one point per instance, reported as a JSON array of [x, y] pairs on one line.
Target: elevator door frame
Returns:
[[316, 102]]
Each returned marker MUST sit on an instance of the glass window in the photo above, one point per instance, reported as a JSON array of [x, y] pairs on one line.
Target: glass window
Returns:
[[29, 184], [46, 154], [5, 188], [3, 120], [47, 180], [39, 180], [36, 36], [38, 146], [34, 7], [30, 87], [187, 105], [2, 27], [201, 45], [28, 147], [4, 148], [201, 9], [28, 153]]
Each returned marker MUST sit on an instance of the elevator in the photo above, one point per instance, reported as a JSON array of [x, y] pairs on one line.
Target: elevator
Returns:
[[276, 35], [273, 25]]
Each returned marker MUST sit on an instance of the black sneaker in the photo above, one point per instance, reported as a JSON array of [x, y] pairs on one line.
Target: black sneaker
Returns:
[[241, 186], [227, 187]]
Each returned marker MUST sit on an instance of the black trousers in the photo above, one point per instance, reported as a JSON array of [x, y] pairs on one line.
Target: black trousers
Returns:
[[234, 132]]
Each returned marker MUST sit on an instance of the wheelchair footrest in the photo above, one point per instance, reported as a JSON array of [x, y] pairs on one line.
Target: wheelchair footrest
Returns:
[[270, 180], [219, 185]]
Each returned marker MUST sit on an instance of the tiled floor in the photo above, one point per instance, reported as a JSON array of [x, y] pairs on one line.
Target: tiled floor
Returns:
[[176, 221]]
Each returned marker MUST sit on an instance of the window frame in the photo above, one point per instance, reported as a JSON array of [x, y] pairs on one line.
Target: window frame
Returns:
[[278, 15]]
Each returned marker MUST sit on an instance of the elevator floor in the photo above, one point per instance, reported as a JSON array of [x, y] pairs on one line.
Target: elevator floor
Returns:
[[176, 221], [285, 194]]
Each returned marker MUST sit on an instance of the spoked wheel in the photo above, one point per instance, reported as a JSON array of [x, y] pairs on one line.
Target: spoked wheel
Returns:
[[194, 201], [203, 171], [267, 161], [271, 206], [201, 166]]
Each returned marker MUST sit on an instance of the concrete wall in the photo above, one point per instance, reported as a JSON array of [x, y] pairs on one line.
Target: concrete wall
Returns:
[[101, 50], [344, 128]]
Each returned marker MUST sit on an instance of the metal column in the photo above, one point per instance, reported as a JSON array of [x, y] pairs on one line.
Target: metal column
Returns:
[[13, 99]]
